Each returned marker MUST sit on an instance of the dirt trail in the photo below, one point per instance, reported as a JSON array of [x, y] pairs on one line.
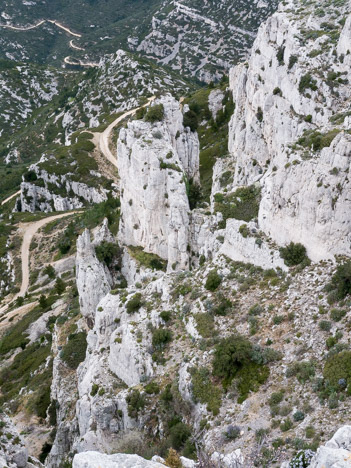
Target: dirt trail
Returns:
[[34, 26], [10, 198], [29, 230], [101, 140]]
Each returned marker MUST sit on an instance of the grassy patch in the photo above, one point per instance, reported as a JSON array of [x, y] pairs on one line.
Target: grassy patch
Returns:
[[148, 260], [243, 204], [204, 390]]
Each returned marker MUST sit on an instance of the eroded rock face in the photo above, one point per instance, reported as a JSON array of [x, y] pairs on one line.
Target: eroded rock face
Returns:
[[304, 190], [94, 280], [13, 453], [119, 460], [153, 161]]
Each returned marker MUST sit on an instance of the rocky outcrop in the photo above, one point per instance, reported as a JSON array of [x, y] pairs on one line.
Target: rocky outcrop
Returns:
[[119, 460], [153, 162], [13, 453], [94, 280], [51, 192], [279, 100]]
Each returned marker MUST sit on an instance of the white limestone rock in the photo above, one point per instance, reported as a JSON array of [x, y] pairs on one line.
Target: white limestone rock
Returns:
[[94, 280], [119, 460], [154, 203], [215, 99], [304, 192]]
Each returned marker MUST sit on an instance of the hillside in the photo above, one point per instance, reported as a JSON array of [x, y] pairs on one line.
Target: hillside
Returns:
[[166, 31], [175, 270]]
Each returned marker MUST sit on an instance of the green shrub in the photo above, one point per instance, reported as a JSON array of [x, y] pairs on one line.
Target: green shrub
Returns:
[[149, 260], [155, 113], [179, 434], [213, 280], [292, 60], [42, 401], [161, 337], [277, 91], [298, 416], [307, 82], [286, 425], [136, 402], [152, 388], [166, 315], [315, 140], [107, 252], [259, 114], [337, 314], [134, 304], [243, 204], [205, 324], [337, 367], [293, 254], [50, 271], [341, 280], [233, 357], [303, 371], [232, 432], [190, 120], [244, 230], [60, 286], [223, 307], [73, 353], [280, 55], [204, 390], [325, 325], [94, 389], [276, 398]]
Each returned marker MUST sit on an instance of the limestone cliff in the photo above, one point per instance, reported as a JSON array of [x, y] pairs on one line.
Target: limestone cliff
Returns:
[[154, 161], [290, 129]]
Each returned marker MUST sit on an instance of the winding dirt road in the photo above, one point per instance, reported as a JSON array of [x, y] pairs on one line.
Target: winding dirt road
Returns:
[[10, 198], [29, 230], [34, 26], [102, 140]]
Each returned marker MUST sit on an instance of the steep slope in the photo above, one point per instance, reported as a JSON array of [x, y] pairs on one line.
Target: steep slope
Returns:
[[290, 133], [204, 39], [201, 39]]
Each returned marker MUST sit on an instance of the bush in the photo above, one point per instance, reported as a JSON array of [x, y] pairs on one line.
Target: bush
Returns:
[[298, 416], [165, 315], [337, 367], [259, 114], [60, 286], [292, 60], [293, 254], [50, 271], [173, 459], [341, 280], [204, 390], [190, 120], [136, 402], [155, 113], [230, 355], [302, 459], [277, 91], [325, 325], [161, 337], [303, 371], [307, 82], [73, 353], [179, 434], [134, 303], [276, 398], [286, 425], [94, 389], [107, 252], [213, 281], [151, 388], [337, 314], [232, 432], [223, 307], [243, 204]]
